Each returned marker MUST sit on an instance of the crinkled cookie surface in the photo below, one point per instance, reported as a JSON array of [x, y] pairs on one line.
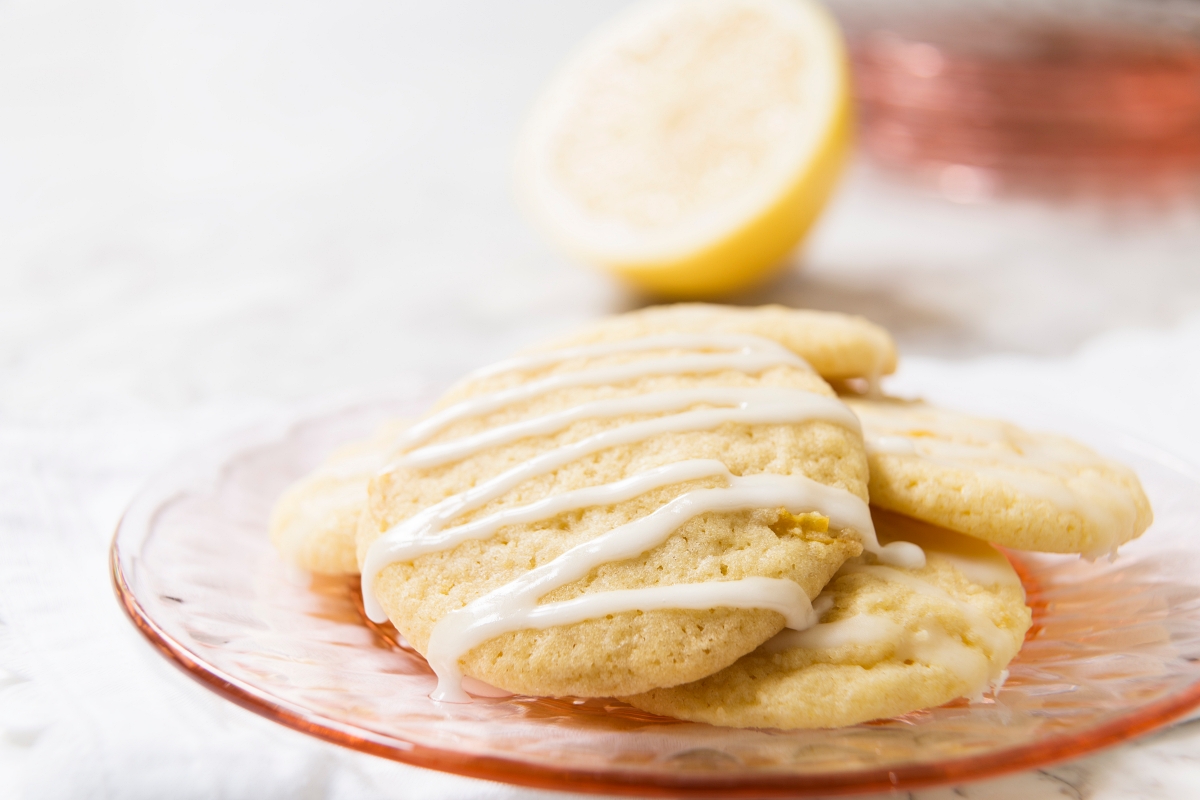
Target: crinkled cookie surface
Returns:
[[890, 641], [997, 482], [315, 522], [627, 652]]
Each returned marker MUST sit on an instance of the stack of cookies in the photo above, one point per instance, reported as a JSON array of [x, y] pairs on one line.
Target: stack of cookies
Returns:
[[671, 507]]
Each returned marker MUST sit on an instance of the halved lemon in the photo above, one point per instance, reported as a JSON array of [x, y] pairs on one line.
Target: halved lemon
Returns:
[[689, 145]]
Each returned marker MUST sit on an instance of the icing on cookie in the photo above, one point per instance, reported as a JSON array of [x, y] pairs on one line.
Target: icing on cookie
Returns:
[[991, 570], [404, 544], [932, 644], [514, 606], [976, 560], [745, 404], [504, 611], [748, 354], [1047, 468], [754, 405], [890, 445], [730, 342], [981, 625]]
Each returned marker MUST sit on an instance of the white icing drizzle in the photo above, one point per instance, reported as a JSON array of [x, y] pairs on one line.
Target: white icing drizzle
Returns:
[[931, 644], [977, 560], [745, 405], [861, 629], [758, 405], [459, 636], [749, 354], [991, 570], [890, 445], [981, 625], [406, 542], [515, 606], [1043, 468], [743, 342]]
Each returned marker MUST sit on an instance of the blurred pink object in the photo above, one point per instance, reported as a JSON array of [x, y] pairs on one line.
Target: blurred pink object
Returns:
[[1055, 97]]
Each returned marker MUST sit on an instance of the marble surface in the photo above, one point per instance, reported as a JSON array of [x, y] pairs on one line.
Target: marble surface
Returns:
[[211, 213]]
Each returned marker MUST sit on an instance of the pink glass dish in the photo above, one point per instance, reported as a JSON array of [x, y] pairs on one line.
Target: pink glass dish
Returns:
[[1114, 651]]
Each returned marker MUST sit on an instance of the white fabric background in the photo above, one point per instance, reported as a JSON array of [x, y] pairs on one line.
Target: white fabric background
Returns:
[[210, 212]]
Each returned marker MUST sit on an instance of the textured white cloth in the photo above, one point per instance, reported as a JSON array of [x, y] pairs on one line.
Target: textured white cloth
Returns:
[[211, 212]]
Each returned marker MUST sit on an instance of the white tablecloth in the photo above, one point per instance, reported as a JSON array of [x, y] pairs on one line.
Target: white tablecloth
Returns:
[[210, 213]]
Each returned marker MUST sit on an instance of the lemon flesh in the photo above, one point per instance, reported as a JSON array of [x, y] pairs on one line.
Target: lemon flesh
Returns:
[[690, 144]]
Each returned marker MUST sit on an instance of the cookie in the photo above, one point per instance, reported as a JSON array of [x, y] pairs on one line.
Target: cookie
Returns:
[[891, 640], [838, 346], [994, 481], [315, 521], [616, 516]]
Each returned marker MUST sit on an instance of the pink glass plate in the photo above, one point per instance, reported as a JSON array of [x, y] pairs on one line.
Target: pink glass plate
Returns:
[[1114, 651]]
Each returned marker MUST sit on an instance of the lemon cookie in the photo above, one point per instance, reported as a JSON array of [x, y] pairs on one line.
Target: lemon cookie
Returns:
[[997, 482], [838, 346], [315, 521], [890, 640], [616, 516]]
